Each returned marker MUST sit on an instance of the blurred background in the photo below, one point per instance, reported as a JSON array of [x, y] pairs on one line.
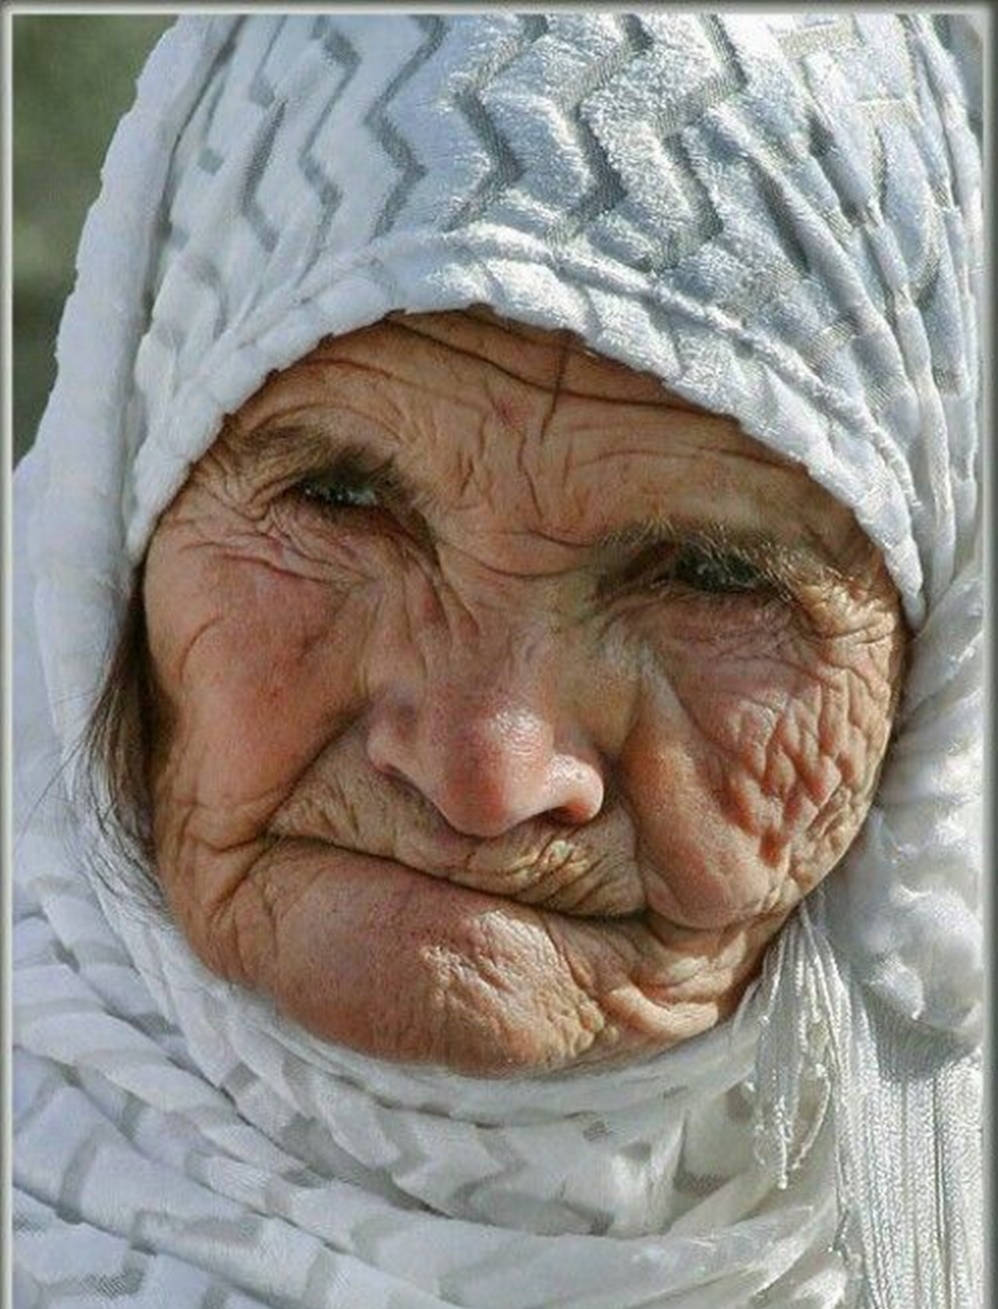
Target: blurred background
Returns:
[[73, 78]]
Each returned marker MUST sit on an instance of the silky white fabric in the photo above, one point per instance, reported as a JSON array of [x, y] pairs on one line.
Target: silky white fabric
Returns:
[[778, 215]]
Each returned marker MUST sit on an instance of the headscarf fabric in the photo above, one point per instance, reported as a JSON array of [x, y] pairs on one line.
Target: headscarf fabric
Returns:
[[778, 215]]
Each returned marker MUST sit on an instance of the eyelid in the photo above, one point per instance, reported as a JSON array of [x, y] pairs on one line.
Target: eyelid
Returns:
[[359, 470]]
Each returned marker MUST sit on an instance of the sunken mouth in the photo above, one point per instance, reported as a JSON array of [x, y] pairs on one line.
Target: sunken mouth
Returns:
[[559, 877]]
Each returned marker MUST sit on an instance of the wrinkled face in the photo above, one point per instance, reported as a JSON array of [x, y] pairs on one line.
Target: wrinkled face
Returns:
[[506, 703]]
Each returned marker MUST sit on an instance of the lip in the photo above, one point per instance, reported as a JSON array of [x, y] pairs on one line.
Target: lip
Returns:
[[531, 895]]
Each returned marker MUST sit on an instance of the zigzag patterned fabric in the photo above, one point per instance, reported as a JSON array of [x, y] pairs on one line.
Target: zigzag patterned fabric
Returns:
[[777, 215]]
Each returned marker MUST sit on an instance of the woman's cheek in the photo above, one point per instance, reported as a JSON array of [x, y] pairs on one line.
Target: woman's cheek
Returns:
[[258, 666], [749, 770]]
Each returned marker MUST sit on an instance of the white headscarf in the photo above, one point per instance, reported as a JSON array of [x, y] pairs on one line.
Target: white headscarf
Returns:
[[779, 216]]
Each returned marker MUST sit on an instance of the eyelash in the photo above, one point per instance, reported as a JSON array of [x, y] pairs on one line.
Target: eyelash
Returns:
[[704, 570]]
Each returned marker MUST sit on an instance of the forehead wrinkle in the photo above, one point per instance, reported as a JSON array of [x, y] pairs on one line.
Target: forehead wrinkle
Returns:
[[563, 350], [676, 436], [578, 371], [534, 372], [419, 381]]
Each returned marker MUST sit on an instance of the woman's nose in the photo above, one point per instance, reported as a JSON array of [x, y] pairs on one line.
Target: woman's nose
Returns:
[[486, 762]]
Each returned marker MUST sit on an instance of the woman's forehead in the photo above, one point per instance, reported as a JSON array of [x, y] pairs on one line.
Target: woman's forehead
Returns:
[[475, 342]]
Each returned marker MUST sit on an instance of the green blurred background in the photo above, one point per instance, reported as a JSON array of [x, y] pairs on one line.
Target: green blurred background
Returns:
[[73, 78]]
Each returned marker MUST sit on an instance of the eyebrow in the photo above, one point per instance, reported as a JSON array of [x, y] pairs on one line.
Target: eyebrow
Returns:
[[290, 444], [315, 448]]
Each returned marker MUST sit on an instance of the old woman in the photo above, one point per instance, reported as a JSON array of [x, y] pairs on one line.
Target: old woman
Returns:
[[498, 675]]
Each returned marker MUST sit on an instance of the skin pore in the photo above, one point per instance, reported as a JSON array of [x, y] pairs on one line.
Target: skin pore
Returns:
[[506, 704]]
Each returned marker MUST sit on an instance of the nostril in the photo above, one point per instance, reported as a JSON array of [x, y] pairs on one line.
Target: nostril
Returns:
[[385, 748], [390, 770], [570, 815], [395, 774], [579, 795]]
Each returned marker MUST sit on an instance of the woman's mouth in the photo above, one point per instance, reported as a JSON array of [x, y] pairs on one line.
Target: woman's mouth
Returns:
[[556, 875]]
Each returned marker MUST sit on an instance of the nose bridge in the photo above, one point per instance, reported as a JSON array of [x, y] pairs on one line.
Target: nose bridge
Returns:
[[489, 701], [501, 657], [500, 714]]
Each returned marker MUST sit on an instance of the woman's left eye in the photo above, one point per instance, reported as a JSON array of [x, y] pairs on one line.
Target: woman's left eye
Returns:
[[694, 568], [722, 574], [338, 493]]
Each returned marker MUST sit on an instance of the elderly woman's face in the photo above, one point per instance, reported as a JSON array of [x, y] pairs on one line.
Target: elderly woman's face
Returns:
[[506, 704]]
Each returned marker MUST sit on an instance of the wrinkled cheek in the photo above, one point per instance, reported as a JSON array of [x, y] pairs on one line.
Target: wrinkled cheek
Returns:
[[701, 868], [792, 774], [737, 792], [256, 690]]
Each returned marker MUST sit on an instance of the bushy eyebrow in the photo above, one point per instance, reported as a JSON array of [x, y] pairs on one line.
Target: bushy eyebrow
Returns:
[[294, 449]]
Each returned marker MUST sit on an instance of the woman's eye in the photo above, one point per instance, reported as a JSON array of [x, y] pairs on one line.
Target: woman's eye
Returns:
[[716, 574], [710, 572], [338, 493]]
